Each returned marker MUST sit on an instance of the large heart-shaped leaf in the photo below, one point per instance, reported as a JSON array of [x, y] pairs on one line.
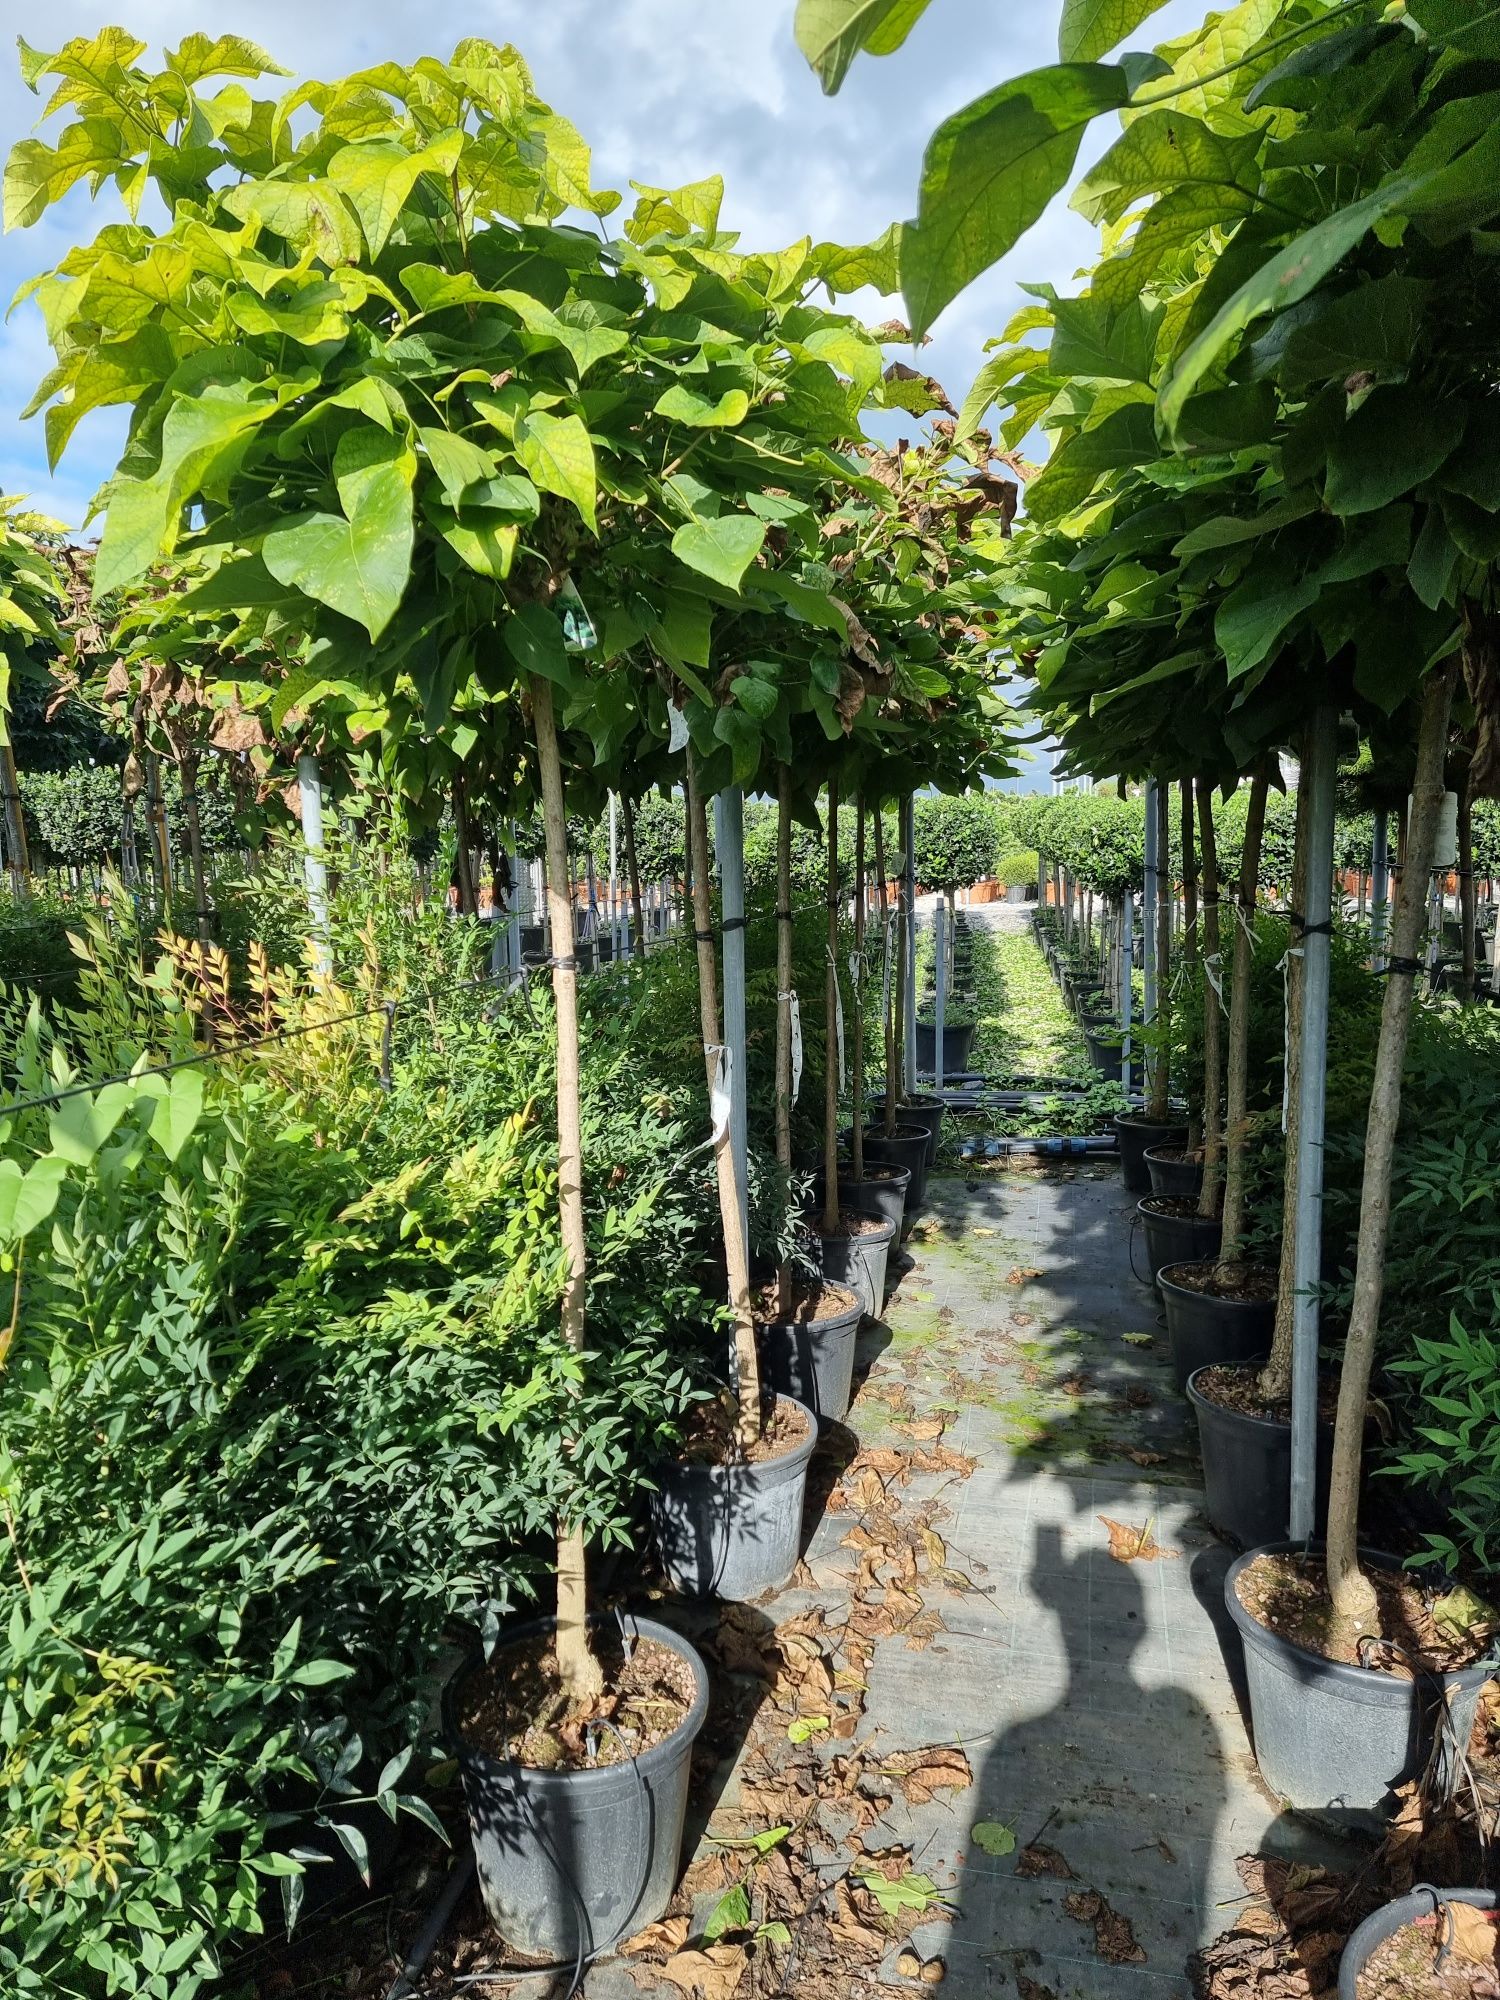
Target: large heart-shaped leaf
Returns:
[[1091, 28], [357, 563], [723, 549], [27, 1197], [559, 455], [831, 33]]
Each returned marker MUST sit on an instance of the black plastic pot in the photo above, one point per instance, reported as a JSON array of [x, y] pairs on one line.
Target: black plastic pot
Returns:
[[733, 1531], [1335, 1738], [858, 1261], [1247, 1470], [1176, 1239], [533, 941], [882, 1192], [929, 1113], [1208, 1332], [1170, 1176], [570, 1862], [813, 1360], [1384, 1923], [1105, 1050], [957, 1042], [1135, 1133], [905, 1147]]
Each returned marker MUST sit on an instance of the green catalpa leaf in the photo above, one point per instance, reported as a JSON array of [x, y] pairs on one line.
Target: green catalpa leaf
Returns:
[[36, 174], [316, 312], [534, 637], [683, 405], [1207, 64], [722, 549], [730, 1913], [1372, 330], [990, 170], [1158, 151], [1127, 437], [559, 454], [1395, 439], [357, 562], [376, 177], [1091, 28], [993, 1836], [28, 1197], [197, 56], [308, 215], [674, 211], [831, 33], [876, 264], [1227, 529], [910, 1892]]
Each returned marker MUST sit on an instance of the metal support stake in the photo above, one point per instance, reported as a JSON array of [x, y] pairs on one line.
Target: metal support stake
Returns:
[[1380, 890], [1127, 983], [1319, 776], [314, 868], [729, 834], [941, 1010], [1148, 903], [909, 918]]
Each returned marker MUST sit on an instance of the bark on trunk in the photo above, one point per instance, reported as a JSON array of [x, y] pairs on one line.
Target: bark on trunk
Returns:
[[1161, 1053], [831, 1025], [1237, 1058], [1190, 924], [785, 1286], [736, 1251], [1468, 912], [1350, 1589], [1213, 1010], [161, 843], [17, 854], [463, 861], [188, 773], [577, 1668], [1276, 1376], [887, 980], [633, 870], [857, 997]]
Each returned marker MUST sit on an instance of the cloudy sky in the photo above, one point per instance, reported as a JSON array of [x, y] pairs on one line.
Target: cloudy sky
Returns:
[[666, 91]]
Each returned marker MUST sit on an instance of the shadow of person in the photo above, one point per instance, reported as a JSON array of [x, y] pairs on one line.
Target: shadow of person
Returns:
[[1087, 1869]]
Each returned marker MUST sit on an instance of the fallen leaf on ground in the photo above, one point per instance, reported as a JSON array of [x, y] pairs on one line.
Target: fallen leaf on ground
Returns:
[[1140, 1339], [713, 1973], [1022, 1275], [1033, 1989], [1128, 1545], [669, 1935], [1139, 1399], [1114, 1939], [1473, 1933], [1139, 1457], [923, 1773], [993, 1836], [924, 1430], [1040, 1859]]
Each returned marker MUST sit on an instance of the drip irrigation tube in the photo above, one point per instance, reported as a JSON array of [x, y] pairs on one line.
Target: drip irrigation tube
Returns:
[[1071, 1148]]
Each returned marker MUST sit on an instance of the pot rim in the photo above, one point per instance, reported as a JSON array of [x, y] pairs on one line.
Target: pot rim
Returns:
[[890, 1170], [531, 1775], [1139, 1120], [1366, 1937], [901, 1132], [784, 1461], [887, 1227], [1165, 1280], [1153, 1215], [854, 1313], [1201, 1402], [1155, 1153], [1335, 1670]]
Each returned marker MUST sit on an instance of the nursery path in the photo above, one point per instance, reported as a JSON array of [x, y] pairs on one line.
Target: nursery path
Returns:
[[1018, 1402]]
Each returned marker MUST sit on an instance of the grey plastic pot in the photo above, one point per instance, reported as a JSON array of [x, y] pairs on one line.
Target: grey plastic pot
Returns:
[[1175, 1239], [733, 1531], [883, 1194], [1334, 1738], [905, 1147], [1135, 1134], [1173, 1176], [1247, 1470], [813, 1360], [1208, 1332], [1384, 1923], [858, 1261], [957, 1045], [570, 1862]]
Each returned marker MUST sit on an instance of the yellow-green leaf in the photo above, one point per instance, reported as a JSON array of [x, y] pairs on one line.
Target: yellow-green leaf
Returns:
[[559, 455]]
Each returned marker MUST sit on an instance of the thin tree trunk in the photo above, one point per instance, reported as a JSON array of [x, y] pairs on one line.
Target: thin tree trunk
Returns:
[[831, 1025], [1161, 1068], [1468, 912], [1190, 926], [633, 870], [1276, 1376], [1088, 932], [160, 838], [1213, 1009], [888, 1012], [785, 1286], [857, 998], [17, 854], [577, 1668], [736, 1251], [187, 771], [1237, 1058], [463, 863], [1350, 1589]]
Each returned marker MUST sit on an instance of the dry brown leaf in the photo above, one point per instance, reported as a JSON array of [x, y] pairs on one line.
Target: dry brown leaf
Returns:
[[934, 1547], [925, 1430], [1144, 1458], [670, 1935], [923, 1773], [1128, 1545], [1040, 1859], [711, 1974], [1022, 1274], [1473, 1933]]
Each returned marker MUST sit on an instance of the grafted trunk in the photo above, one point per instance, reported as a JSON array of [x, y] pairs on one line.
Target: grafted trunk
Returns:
[[1213, 1010], [577, 1668], [1161, 1064], [1350, 1588], [887, 981], [1276, 1376], [785, 1286], [896, 1085], [1237, 1056], [633, 870], [1190, 924], [1468, 913], [731, 1216], [831, 1025], [463, 860], [857, 998]]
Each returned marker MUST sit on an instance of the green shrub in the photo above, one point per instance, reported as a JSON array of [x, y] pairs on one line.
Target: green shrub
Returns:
[[956, 838], [1019, 868]]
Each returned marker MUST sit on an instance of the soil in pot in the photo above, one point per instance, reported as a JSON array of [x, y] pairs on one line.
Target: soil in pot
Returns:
[[809, 1350], [728, 1523], [1450, 1954], [1287, 1593], [577, 1818]]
